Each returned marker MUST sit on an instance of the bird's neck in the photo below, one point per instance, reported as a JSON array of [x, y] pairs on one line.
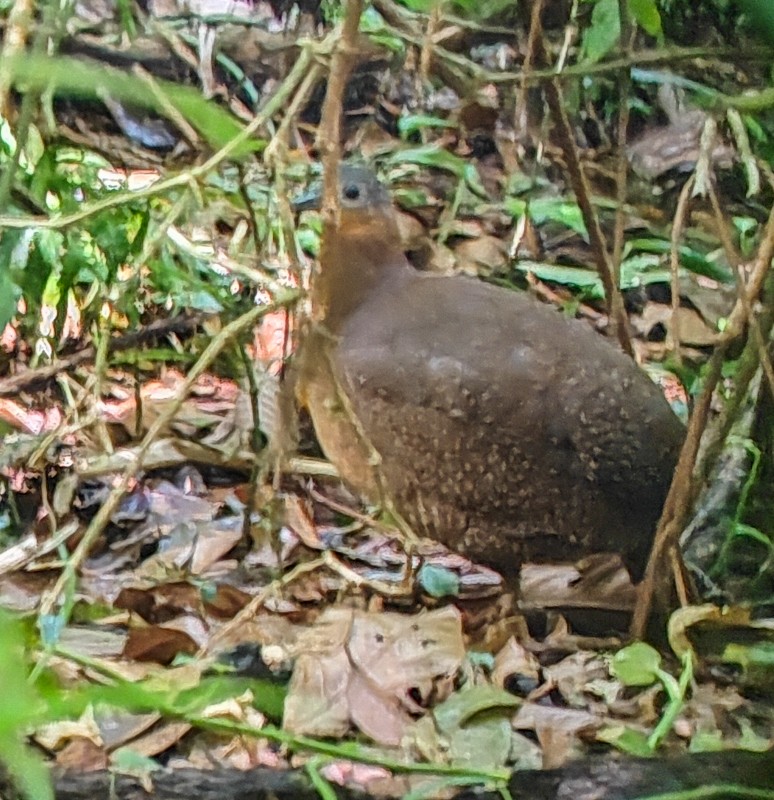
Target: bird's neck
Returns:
[[358, 257]]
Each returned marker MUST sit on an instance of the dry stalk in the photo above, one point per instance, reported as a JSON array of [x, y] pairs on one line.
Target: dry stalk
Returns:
[[681, 214], [582, 190], [682, 492]]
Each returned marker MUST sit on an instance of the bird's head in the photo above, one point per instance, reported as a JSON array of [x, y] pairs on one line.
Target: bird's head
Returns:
[[364, 208], [361, 244]]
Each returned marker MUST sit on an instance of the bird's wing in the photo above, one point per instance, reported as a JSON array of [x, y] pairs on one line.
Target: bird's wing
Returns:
[[430, 345]]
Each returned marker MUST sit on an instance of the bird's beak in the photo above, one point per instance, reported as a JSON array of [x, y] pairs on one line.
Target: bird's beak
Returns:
[[310, 200]]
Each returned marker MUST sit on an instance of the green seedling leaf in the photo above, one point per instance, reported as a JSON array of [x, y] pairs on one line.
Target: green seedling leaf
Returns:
[[439, 582], [466, 703], [409, 198], [8, 297], [484, 742], [479, 659], [432, 156], [130, 762], [642, 270], [639, 664], [473, 180], [414, 123], [647, 16], [557, 209], [626, 740], [689, 258], [586, 279], [201, 301], [757, 661], [603, 33]]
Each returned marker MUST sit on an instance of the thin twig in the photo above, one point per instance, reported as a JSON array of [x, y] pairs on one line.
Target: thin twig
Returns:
[[681, 214], [39, 377], [624, 82], [735, 263], [251, 609], [582, 190], [682, 491], [520, 118]]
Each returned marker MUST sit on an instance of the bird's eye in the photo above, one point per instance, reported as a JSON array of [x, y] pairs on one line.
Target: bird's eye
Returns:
[[352, 192]]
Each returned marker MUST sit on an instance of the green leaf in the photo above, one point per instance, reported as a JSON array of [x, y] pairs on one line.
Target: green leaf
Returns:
[[638, 664], [647, 16], [626, 740], [413, 123], [586, 279], [201, 301], [8, 296], [20, 707], [372, 23], [557, 209], [269, 697], [431, 155], [130, 762], [603, 33], [466, 703], [484, 743], [439, 582], [689, 258], [69, 76]]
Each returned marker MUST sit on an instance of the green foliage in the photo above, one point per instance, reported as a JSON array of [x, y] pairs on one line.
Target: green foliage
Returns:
[[416, 123], [143, 697], [602, 35], [20, 708], [760, 17], [475, 724], [757, 661], [639, 664], [745, 542], [69, 76], [112, 246], [477, 10]]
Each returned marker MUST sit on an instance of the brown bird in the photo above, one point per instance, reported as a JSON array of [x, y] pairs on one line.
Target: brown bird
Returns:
[[489, 421]]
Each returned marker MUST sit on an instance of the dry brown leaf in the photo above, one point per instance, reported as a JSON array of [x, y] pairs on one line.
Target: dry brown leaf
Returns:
[[370, 670], [157, 643]]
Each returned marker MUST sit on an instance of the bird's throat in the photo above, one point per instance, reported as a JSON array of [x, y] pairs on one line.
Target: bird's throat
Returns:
[[355, 262]]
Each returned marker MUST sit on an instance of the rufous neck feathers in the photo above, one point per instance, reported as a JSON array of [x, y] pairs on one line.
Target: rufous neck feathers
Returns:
[[360, 254]]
